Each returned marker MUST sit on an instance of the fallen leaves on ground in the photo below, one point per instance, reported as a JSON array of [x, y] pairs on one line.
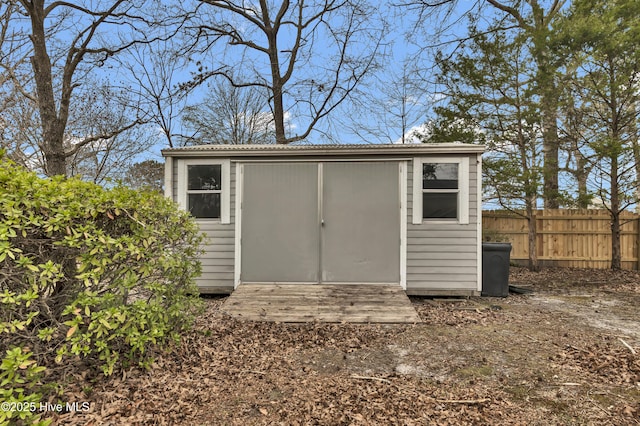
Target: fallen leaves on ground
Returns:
[[472, 361], [565, 280]]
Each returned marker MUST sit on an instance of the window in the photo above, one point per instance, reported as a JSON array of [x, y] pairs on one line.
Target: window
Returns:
[[205, 189], [440, 190]]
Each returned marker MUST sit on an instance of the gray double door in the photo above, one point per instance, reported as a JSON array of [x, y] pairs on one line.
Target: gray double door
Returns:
[[331, 222]]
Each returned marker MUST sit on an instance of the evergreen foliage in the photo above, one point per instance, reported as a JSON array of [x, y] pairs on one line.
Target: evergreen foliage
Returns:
[[87, 273]]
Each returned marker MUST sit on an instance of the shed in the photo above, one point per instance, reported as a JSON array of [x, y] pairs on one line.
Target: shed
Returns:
[[334, 214]]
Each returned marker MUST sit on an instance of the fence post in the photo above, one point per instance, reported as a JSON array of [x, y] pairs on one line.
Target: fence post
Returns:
[[638, 243]]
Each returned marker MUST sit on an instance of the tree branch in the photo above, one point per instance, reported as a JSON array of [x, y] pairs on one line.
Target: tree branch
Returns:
[[109, 135], [513, 12]]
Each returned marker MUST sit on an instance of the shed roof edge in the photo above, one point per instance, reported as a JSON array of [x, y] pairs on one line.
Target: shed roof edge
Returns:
[[303, 150]]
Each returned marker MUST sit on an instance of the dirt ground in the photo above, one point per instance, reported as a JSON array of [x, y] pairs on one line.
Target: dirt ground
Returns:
[[563, 355]]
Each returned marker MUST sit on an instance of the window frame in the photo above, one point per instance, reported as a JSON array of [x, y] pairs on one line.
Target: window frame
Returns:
[[224, 191], [462, 216]]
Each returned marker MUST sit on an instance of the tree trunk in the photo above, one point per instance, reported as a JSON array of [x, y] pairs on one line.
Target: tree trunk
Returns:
[[581, 176], [636, 160], [551, 187], [532, 237], [277, 82], [549, 110], [616, 256], [52, 127], [540, 30], [615, 147], [582, 169], [54, 154], [278, 114]]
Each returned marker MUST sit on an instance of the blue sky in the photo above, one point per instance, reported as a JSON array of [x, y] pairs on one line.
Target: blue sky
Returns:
[[395, 98], [392, 100]]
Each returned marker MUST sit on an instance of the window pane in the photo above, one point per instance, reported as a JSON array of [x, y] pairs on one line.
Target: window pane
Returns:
[[205, 176], [439, 206], [440, 176], [205, 205]]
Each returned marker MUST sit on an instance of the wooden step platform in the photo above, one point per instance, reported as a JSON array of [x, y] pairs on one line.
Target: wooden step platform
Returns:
[[357, 303]]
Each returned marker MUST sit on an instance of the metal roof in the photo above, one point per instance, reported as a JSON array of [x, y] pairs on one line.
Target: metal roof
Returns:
[[304, 150]]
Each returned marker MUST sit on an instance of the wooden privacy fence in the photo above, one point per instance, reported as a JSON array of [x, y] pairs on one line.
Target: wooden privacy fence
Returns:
[[567, 238]]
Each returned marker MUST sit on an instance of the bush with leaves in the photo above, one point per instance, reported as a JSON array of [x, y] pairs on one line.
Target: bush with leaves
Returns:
[[103, 275]]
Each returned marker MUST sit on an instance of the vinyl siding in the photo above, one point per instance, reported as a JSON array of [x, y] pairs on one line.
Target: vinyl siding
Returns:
[[218, 257], [443, 256]]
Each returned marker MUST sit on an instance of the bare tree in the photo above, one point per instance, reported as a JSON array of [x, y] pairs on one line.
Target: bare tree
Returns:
[[156, 73], [108, 159], [104, 110], [391, 110], [66, 41], [309, 55], [20, 133], [231, 115], [148, 174], [101, 111], [7, 10], [12, 67]]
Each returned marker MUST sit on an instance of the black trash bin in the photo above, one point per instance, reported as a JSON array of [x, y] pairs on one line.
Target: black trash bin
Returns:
[[495, 269]]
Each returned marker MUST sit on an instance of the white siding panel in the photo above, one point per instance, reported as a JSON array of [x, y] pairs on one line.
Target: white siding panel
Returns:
[[219, 244], [219, 263], [443, 256], [214, 279], [218, 258], [443, 242], [215, 232], [168, 177], [442, 232], [439, 282], [417, 250], [174, 180], [437, 269], [435, 259], [456, 283], [217, 252]]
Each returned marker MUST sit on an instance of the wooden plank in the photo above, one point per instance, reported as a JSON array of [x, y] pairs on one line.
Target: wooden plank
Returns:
[[271, 315], [324, 303], [577, 238], [636, 248], [569, 258], [569, 232]]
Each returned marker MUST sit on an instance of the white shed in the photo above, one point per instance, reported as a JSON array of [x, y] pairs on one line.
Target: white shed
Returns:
[[334, 214]]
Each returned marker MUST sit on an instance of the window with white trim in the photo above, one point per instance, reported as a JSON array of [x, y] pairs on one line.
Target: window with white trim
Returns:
[[441, 190], [204, 189]]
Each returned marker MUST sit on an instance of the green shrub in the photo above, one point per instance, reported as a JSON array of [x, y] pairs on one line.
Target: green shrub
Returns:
[[103, 274], [19, 375]]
